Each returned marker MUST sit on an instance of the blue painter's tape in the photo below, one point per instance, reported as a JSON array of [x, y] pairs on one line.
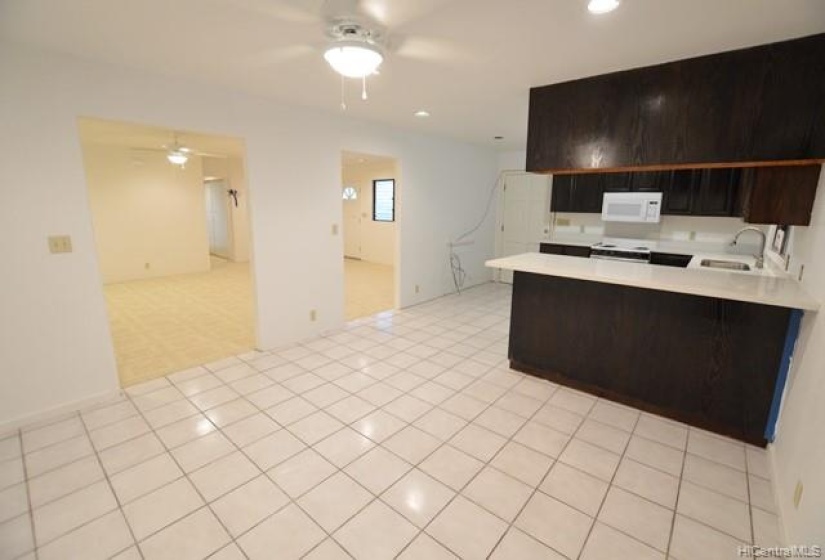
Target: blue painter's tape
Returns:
[[785, 365]]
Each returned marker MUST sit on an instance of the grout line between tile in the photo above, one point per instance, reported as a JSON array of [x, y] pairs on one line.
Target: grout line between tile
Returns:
[[372, 337]]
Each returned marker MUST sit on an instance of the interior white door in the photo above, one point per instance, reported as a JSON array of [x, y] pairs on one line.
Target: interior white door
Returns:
[[352, 222], [217, 218], [525, 213]]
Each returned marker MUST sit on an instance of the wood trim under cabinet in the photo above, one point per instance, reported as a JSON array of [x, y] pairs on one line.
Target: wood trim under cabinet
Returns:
[[670, 167]]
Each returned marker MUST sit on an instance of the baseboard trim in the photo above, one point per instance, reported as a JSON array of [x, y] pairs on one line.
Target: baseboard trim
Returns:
[[53, 414]]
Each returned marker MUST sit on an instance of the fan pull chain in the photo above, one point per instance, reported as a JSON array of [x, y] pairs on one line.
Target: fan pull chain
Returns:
[[364, 88], [343, 101]]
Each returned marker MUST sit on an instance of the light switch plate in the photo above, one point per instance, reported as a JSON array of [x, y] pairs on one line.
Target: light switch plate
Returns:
[[334, 229], [60, 244]]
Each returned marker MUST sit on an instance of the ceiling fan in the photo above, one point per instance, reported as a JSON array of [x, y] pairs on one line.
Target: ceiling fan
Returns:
[[355, 35], [177, 152]]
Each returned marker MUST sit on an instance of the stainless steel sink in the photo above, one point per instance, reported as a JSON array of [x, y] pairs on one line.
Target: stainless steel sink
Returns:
[[727, 265]]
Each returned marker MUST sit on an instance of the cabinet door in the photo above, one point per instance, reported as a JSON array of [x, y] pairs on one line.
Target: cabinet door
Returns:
[[716, 192], [616, 182], [785, 127], [678, 192], [562, 198], [780, 195], [588, 190], [647, 181]]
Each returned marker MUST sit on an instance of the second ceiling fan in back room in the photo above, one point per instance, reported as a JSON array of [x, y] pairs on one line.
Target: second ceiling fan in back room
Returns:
[[355, 36]]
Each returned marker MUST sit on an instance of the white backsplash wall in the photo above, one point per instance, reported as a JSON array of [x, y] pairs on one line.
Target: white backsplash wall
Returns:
[[671, 228]]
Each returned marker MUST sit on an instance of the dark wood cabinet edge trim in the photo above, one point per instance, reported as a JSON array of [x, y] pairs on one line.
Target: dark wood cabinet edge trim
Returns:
[[641, 405], [671, 167]]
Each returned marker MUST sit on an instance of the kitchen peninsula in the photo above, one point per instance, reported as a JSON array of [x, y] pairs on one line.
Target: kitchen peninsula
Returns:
[[706, 347]]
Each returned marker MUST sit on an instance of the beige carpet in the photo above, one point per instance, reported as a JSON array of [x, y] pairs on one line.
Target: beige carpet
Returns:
[[368, 288], [164, 325], [168, 324]]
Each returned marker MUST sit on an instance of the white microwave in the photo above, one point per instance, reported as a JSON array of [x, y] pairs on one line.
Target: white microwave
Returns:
[[639, 207]]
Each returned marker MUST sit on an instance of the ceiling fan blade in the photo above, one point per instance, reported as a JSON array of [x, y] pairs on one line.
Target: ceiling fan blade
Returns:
[[395, 13], [291, 11], [430, 49], [273, 57]]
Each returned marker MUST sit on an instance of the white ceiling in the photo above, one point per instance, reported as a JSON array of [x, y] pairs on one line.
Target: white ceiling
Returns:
[[469, 62], [354, 159]]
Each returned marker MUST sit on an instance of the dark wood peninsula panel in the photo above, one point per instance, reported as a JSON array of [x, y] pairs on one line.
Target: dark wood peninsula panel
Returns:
[[710, 362], [763, 105]]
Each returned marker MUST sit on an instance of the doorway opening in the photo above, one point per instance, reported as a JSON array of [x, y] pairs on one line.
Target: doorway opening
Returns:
[[172, 240], [369, 194]]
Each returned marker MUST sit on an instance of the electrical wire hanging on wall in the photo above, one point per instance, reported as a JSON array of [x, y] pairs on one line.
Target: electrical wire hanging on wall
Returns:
[[458, 272]]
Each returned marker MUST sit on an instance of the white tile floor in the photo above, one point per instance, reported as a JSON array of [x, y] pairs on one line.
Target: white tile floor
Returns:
[[402, 436]]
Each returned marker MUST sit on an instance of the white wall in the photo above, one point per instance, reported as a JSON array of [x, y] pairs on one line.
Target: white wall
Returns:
[[55, 346], [799, 451], [701, 229], [513, 160], [377, 238], [149, 216]]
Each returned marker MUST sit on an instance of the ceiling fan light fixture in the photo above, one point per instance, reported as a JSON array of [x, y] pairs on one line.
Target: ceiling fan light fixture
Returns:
[[602, 6], [177, 157], [354, 59]]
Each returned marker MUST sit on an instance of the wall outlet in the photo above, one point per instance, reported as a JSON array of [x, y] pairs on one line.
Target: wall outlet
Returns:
[[797, 494], [147, 266], [334, 229], [60, 244], [692, 236], [417, 288], [313, 314]]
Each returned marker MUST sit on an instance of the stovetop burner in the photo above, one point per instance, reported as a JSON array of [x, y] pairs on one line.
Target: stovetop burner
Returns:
[[619, 252], [619, 247]]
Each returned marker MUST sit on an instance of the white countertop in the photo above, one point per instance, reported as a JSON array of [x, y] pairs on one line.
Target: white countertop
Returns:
[[755, 288], [659, 245]]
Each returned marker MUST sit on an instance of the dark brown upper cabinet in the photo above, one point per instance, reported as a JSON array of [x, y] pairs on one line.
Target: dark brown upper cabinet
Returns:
[[616, 182], [779, 195], [577, 193], [678, 192], [761, 104], [762, 195], [716, 192], [648, 181]]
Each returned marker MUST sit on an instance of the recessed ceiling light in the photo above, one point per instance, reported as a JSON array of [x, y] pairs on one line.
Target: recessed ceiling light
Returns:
[[602, 6], [422, 114]]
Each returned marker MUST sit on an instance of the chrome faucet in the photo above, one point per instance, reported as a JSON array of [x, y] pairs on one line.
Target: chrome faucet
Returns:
[[760, 257]]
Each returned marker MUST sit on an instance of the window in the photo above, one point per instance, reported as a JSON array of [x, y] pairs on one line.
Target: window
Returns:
[[350, 193], [383, 200]]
